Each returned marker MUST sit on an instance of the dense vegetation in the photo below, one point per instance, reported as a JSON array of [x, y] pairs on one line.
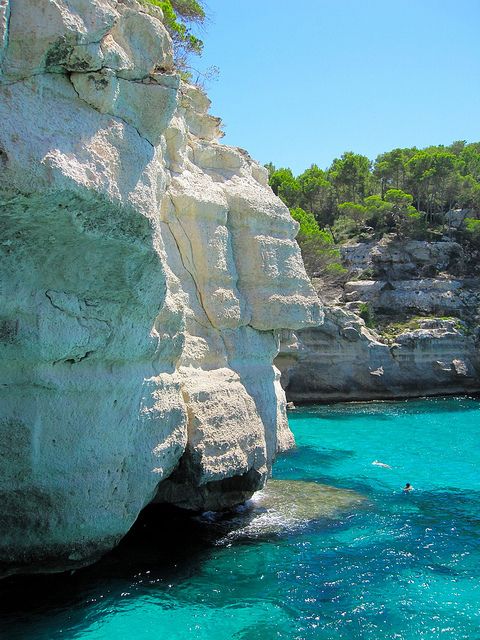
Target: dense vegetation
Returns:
[[407, 192]]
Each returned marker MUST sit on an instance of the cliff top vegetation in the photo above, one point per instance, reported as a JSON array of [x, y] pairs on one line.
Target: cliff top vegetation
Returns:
[[408, 192], [179, 15]]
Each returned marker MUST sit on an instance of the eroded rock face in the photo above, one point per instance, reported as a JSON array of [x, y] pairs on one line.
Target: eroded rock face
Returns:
[[393, 259], [437, 358], [144, 272], [424, 300]]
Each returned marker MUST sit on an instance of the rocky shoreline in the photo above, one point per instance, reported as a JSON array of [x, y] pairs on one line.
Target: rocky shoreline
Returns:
[[421, 303]]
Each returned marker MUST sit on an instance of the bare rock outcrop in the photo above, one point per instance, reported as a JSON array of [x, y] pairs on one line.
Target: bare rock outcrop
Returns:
[[145, 270], [394, 259], [344, 360], [425, 306]]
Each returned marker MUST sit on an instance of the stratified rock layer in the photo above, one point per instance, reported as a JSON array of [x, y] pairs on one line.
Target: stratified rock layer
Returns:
[[409, 283], [144, 272], [343, 360]]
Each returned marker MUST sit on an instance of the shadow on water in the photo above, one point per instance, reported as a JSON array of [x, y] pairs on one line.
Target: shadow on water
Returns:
[[307, 456], [166, 548], [432, 531], [165, 545], [394, 546], [459, 510]]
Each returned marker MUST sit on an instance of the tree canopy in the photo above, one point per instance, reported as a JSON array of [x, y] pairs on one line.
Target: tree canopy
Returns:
[[403, 191], [406, 192]]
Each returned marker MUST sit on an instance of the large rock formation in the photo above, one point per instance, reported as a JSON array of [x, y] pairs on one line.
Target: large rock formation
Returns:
[[344, 360], [423, 309], [144, 272]]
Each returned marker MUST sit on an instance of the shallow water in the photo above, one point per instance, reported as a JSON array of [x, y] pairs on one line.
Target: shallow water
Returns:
[[382, 565]]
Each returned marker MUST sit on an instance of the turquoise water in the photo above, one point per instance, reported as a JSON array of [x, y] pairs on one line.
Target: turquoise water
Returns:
[[403, 566]]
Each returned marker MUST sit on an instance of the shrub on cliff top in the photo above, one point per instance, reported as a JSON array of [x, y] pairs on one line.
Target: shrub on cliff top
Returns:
[[471, 231], [178, 14], [365, 311]]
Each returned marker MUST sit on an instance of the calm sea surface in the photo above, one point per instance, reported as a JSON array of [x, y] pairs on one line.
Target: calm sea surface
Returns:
[[394, 565]]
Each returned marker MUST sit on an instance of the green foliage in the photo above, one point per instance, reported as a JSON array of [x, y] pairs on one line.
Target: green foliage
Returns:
[[390, 169], [178, 15], [399, 199], [320, 256], [472, 231], [308, 224], [400, 210], [356, 212], [472, 225], [430, 175], [390, 330], [365, 311], [470, 159], [377, 213], [469, 193], [343, 229], [350, 176], [336, 269], [286, 186], [189, 10], [317, 194], [416, 226], [270, 167], [406, 191]]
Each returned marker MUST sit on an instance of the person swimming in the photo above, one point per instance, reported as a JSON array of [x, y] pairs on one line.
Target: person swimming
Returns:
[[377, 463], [408, 487]]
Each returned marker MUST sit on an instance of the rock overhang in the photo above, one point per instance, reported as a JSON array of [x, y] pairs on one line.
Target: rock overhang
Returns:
[[145, 270]]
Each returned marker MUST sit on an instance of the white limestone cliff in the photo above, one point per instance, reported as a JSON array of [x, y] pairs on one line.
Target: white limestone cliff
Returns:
[[145, 270]]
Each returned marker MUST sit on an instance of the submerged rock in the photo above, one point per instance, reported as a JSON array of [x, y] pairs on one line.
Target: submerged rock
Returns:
[[145, 270], [283, 506], [302, 501]]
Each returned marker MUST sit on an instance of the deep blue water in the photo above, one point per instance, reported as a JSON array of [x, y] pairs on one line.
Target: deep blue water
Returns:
[[401, 566]]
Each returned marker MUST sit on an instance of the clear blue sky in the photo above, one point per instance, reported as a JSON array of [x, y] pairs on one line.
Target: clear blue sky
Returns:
[[302, 82]]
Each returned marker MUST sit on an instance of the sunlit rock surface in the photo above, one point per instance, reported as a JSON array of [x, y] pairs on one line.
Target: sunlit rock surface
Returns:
[[438, 358], [144, 272], [428, 293]]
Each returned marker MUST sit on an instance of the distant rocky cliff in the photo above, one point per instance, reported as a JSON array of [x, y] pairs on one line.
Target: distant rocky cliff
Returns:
[[145, 270], [421, 301]]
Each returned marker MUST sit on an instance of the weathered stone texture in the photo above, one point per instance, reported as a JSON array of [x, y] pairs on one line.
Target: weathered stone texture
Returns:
[[144, 272], [344, 360]]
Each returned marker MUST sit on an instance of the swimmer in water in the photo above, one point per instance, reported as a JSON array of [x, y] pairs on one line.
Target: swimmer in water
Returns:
[[407, 488], [377, 463]]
